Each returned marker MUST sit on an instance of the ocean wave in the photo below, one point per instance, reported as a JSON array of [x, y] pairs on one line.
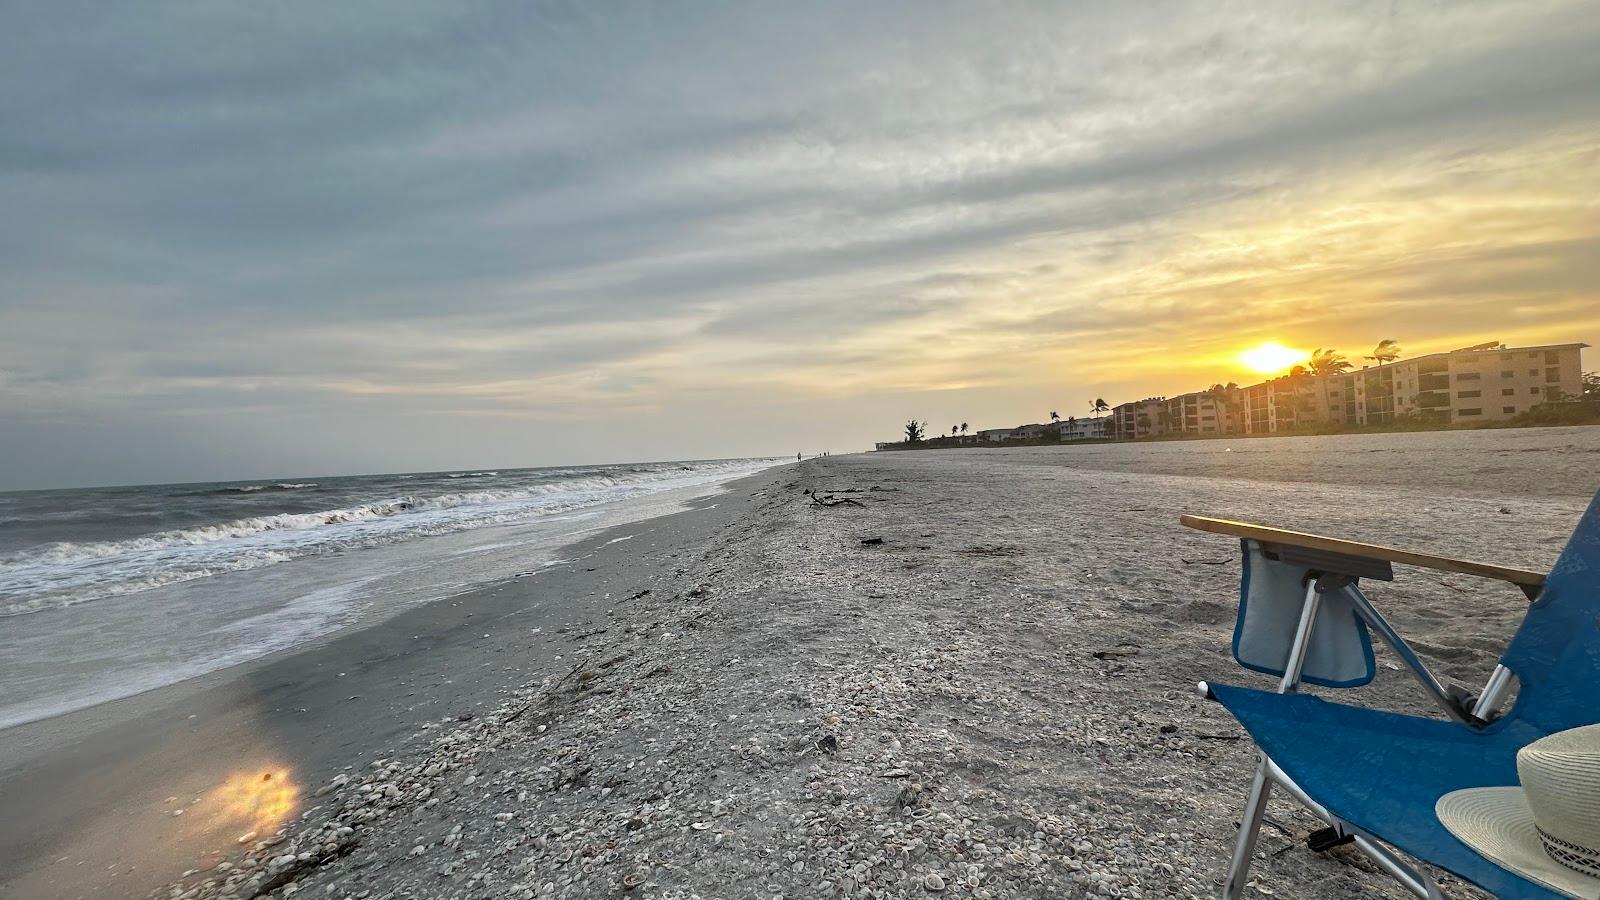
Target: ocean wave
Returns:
[[70, 572], [472, 475], [253, 488], [67, 551], [54, 590]]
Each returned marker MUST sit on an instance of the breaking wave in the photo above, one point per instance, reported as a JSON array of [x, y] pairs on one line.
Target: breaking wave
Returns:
[[253, 488], [64, 573]]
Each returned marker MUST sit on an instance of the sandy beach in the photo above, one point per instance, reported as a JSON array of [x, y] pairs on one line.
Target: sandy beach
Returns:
[[102, 787], [434, 448], [975, 678]]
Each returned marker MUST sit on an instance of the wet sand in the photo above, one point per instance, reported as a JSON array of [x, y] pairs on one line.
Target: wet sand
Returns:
[[88, 796]]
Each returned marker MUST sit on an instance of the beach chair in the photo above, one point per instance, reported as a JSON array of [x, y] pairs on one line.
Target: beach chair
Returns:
[[1375, 776]]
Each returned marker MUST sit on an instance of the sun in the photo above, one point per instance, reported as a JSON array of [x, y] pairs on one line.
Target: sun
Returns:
[[1270, 357]]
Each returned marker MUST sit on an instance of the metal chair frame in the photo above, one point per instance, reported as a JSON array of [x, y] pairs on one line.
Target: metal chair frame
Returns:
[[1468, 710]]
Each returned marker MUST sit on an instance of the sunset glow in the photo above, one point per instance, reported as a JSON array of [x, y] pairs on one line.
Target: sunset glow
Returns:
[[258, 799], [754, 244], [1270, 358]]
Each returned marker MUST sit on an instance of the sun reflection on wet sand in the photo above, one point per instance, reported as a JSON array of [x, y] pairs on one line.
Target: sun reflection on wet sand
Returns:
[[258, 798], [200, 816]]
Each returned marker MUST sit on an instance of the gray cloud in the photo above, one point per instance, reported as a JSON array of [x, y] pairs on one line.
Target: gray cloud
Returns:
[[332, 217]]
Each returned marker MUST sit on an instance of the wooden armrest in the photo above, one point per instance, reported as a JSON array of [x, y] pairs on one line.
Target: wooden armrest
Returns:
[[1529, 582]]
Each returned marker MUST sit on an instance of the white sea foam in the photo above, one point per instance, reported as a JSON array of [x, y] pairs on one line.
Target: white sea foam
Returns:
[[69, 572], [280, 486], [303, 618]]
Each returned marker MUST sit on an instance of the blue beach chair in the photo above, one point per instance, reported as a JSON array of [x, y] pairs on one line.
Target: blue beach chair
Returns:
[[1375, 776]]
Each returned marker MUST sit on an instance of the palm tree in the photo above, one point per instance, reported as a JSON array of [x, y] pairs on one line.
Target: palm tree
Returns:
[[1327, 362], [963, 428], [954, 429], [1055, 416], [1099, 406], [914, 431], [1222, 396], [1387, 351]]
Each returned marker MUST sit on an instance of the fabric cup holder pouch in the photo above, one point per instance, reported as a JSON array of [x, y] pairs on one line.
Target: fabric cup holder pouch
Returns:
[[1271, 596]]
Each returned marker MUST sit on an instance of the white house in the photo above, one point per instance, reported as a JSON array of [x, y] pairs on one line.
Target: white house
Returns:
[[1084, 429]]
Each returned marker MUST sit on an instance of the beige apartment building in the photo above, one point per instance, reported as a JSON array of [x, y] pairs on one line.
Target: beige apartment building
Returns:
[[1284, 404], [1197, 412], [1136, 419], [1485, 383]]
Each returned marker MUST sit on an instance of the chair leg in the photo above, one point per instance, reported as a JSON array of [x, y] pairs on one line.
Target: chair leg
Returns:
[[1414, 880], [1255, 807]]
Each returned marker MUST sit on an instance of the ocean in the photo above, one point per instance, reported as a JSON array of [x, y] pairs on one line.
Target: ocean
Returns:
[[107, 592]]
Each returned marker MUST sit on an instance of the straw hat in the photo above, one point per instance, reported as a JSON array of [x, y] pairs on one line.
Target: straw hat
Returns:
[[1548, 830]]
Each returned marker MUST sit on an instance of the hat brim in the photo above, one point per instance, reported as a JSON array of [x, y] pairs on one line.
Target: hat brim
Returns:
[[1497, 822]]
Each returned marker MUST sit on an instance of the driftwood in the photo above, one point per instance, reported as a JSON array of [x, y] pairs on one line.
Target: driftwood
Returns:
[[830, 500], [835, 501], [544, 696], [1116, 653]]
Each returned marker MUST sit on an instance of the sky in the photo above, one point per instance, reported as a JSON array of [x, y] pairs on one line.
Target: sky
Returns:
[[296, 238]]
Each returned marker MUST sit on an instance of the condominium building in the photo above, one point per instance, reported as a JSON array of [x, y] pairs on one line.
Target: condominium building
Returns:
[[1019, 433], [1282, 404], [1137, 419], [1085, 429], [1198, 412], [1478, 384], [1485, 383]]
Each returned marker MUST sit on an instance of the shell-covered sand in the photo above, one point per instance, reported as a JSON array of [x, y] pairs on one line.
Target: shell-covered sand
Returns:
[[974, 679]]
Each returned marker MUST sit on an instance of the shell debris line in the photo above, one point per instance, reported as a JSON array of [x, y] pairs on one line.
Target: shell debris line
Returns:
[[995, 701]]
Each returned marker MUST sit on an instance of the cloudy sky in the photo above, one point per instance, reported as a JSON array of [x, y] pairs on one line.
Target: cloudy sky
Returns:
[[305, 238]]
